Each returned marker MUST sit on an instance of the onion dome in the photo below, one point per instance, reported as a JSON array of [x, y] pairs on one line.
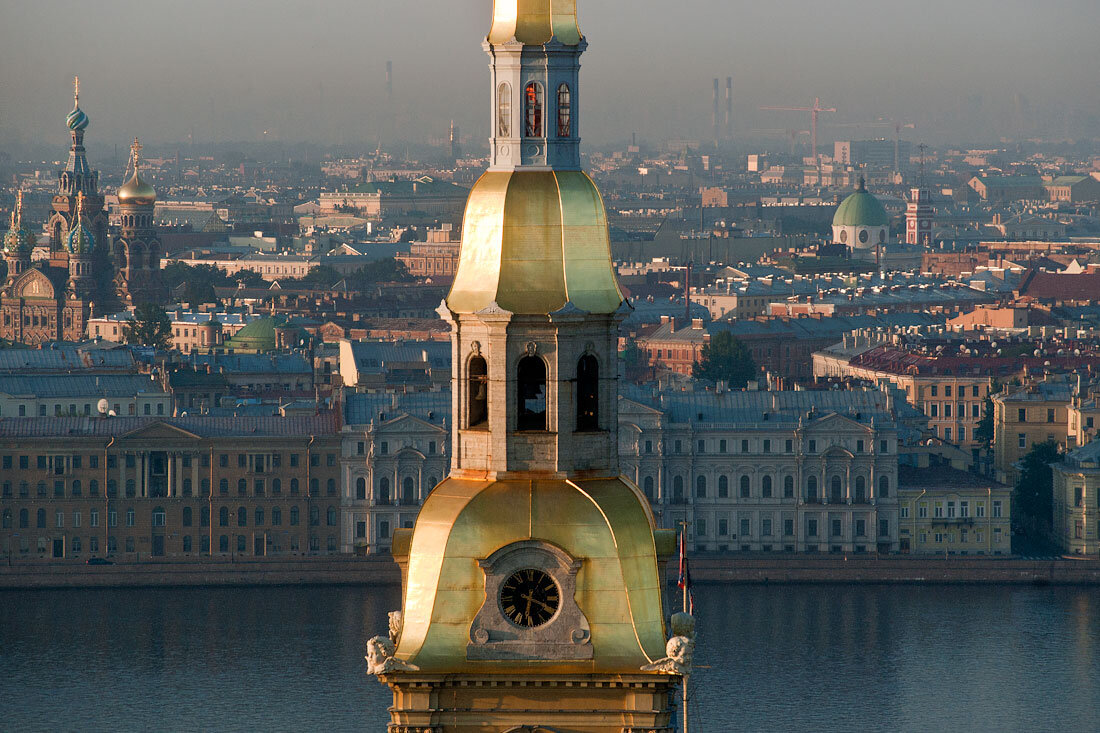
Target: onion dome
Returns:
[[535, 22], [76, 120], [19, 239], [861, 209], [533, 242], [136, 191], [80, 241]]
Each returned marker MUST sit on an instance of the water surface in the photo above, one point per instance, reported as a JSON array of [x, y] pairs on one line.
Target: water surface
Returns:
[[772, 658]]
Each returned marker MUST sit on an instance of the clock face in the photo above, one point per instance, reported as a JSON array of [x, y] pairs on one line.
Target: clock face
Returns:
[[530, 598]]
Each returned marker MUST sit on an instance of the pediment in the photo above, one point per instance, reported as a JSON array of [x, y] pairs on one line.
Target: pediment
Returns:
[[408, 424], [33, 285], [159, 430], [835, 421], [630, 407]]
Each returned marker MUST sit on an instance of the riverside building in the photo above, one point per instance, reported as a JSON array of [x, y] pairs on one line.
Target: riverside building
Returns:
[[185, 487]]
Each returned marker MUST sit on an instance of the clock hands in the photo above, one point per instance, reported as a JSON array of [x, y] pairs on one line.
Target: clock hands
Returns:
[[531, 599]]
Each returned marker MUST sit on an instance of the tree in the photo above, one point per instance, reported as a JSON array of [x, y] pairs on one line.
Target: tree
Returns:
[[249, 279], [148, 326], [632, 354], [984, 431], [725, 358], [1033, 499]]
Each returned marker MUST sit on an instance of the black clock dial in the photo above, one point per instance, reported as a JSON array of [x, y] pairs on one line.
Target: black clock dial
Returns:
[[529, 598]]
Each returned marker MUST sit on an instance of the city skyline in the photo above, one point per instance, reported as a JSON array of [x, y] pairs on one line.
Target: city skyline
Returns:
[[249, 72]]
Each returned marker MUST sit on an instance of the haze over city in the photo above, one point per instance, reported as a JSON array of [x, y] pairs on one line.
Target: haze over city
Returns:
[[971, 71]]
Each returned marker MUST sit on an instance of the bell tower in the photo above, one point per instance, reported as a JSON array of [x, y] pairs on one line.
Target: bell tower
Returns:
[[534, 569]]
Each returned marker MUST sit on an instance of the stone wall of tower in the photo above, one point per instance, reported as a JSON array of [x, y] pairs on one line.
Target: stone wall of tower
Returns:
[[497, 448], [136, 254]]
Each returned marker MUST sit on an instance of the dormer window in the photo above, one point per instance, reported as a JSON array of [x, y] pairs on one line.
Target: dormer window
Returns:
[[565, 112], [532, 97]]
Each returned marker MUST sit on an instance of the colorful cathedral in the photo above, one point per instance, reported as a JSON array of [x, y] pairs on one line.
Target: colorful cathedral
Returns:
[[50, 291]]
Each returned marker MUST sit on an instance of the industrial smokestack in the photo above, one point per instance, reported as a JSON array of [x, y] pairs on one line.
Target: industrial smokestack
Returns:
[[729, 107], [714, 119]]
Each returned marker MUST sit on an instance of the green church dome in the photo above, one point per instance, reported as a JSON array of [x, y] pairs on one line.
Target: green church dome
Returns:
[[861, 209]]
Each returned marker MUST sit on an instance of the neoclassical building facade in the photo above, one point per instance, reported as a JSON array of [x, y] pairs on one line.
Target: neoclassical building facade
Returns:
[[767, 471]]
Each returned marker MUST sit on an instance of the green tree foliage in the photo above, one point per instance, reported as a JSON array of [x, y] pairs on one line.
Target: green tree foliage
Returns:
[[1033, 498], [984, 431], [367, 276], [632, 355], [148, 326], [725, 358]]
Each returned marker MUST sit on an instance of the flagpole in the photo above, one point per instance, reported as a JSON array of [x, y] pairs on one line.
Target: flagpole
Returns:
[[684, 607]]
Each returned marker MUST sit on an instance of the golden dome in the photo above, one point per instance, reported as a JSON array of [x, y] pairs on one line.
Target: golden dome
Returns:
[[607, 522], [533, 241], [137, 191], [535, 22]]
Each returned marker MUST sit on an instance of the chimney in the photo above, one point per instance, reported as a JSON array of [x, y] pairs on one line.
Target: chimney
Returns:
[[729, 107], [697, 324]]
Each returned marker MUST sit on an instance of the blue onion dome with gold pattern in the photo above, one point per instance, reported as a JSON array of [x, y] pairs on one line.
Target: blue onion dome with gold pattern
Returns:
[[80, 241], [76, 120], [19, 239]]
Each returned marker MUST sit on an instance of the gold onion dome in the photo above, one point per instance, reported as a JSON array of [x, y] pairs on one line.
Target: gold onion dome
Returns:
[[532, 242], [535, 22], [136, 191]]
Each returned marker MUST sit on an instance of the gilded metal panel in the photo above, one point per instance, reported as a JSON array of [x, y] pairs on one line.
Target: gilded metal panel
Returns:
[[475, 283], [604, 521], [535, 22], [533, 241]]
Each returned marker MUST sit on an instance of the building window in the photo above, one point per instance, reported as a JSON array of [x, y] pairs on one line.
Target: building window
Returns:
[[259, 517], [187, 516], [242, 517], [883, 487], [861, 489], [504, 110], [648, 483], [996, 510], [531, 397], [293, 516], [383, 490], [360, 488], [408, 490], [701, 446], [532, 100], [130, 517], [884, 528], [811, 488], [701, 487], [811, 527], [159, 517], [678, 489], [788, 487], [588, 394], [723, 487], [836, 490], [330, 516], [745, 487], [565, 111]]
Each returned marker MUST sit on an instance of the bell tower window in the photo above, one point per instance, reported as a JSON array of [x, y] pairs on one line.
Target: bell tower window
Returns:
[[479, 393], [504, 110], [565, 112], [588, 394], [531, 394], [532, 97]]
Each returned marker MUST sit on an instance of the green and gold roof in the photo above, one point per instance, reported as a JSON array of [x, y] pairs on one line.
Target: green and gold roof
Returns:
[[533, 241], [535, 22], [606, 522]]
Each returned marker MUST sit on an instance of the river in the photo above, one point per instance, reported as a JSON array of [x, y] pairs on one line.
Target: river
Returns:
[[771, 658]]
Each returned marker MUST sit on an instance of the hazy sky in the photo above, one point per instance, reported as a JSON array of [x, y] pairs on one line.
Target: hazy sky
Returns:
[[314, 69]]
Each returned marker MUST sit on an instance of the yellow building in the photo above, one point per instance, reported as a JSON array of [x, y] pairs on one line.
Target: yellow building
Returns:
[[1025, 417], [1076, 517], [951, 512], [185, 488], [532, 579]]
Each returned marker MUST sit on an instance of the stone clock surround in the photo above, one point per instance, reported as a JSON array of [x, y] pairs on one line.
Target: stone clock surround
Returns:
[[566, 636]]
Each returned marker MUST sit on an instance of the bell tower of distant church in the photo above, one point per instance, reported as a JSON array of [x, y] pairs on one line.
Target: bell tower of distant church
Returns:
[[532, 578]]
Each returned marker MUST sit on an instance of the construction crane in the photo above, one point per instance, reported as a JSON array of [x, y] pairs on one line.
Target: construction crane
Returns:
[[793, 135], [814, 111]]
